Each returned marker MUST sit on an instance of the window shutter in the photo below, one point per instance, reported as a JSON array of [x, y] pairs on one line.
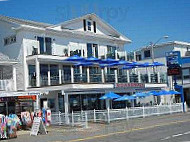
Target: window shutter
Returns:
[[94, 23], [84, 24]]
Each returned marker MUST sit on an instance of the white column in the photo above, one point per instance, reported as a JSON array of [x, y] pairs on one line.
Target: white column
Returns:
[[37, 102], [69, 49], [149, 77], [128, 76], [108, 109], [135, 56], [158, 74], [80, 69], [66, 104], [116, 55], [14, 78], [88, 75], [49, 75], [72, 74], [125, 55], [139, 77], [60, 74], [102, 73], [37, 73], [116, 77]]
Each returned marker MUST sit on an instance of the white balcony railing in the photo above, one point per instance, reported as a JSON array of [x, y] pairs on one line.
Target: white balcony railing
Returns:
[[6, 85]]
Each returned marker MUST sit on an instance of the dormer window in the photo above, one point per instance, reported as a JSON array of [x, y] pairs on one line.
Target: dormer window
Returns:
[[89, 25]]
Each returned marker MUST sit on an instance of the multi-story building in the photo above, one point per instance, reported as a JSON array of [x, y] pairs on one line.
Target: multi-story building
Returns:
[[144, 54], [41, 50]]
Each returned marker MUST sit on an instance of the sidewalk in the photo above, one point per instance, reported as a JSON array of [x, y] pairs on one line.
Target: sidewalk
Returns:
[[62, 133]]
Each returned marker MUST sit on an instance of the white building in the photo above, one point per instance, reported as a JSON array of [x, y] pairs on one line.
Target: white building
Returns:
[[144, 54], [40, 51]]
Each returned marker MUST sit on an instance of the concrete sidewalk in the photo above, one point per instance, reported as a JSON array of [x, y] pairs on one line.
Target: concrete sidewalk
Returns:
[[95, 130]]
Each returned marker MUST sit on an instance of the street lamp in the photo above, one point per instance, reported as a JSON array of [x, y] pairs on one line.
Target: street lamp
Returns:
[[153, 45]]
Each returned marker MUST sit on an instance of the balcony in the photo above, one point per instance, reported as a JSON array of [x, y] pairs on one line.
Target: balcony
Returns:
[[110, 78], [80, 78], [95, 78]]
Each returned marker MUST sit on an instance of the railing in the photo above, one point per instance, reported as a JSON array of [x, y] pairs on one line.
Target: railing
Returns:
[[72, 119], [133, 77], [6, 85], [110, 78], [127, 113], [80, 78], [122, 78], [95, 78], [54, 80]]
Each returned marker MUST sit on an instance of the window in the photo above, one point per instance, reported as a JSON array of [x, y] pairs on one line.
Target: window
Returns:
[[92, 50], [45, 45], [147, 53], [111, 51], [138, 57], [89, 24], [9, 40]]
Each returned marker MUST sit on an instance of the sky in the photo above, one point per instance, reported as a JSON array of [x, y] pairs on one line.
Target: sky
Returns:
[[142, 21]]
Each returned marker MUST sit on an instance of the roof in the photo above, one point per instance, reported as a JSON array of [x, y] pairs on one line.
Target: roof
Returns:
[[182, 43], [24, 22]]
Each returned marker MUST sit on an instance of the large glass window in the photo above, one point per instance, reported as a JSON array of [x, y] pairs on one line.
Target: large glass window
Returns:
[[43, 75], [111, 51], [54, 74], [95, 74], [32, 75], [92, 50], [45, 45], [66, 74], [147, 54]]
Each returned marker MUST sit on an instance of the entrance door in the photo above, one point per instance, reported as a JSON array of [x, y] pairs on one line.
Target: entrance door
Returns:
[[43, 103]]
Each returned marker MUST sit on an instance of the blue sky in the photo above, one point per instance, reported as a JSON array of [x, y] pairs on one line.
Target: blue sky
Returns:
[[143, 21]]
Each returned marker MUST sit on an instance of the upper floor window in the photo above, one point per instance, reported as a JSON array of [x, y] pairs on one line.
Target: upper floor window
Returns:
[[147, 54], [89, 25], [138, 57], [9, 40], [111, 51], [45, 44]]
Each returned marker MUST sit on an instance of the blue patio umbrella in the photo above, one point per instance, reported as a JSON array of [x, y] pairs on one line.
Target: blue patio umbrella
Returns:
[[92, 59], [140, 95], [173, 92], [75, 58], [108, 61], [154, 93], [110, 95], [163, 92], [125, 98], [157, 64], [128, 67], [83, 64], [146, 64]]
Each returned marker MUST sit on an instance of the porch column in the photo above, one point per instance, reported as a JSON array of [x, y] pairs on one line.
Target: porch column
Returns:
[[88, 75], [139, 77], [14, 78], [116, 55], [37, 102], [134, 57], [158, 74], [72, 74], [49, 75], [80, 70], [128, 77], [116, 77], [69, 49], [149, 77], [102, 73], [37, 73], [60, 74], [66, 104], [125, 55]]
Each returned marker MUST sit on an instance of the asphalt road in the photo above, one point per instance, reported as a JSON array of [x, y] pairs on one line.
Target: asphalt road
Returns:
[[167, 128]]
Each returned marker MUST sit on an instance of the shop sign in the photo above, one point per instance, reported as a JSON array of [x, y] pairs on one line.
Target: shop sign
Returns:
[[7, 99], [131, 85], [33, 97], [38, 126]]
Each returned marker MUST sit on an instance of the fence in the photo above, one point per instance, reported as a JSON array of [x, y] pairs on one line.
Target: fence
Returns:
[[121, 114], [73, 119]]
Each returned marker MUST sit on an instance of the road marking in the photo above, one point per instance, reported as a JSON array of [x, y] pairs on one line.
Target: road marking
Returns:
[[177, 135], [166, 138], [131, 130], [187, 133]]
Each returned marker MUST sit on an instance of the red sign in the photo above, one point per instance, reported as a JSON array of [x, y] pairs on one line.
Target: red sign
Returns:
[[174, 71], [134, 85]]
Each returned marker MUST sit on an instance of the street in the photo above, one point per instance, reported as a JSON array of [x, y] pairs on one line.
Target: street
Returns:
[[166, 128]]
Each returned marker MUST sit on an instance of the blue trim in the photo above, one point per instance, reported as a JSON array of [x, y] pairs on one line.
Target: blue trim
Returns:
[[185, 60]]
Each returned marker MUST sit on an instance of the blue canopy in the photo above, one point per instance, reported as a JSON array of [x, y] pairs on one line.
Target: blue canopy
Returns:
[[173, 92], [75, 58], [157, 64], [146, 64], [108, 61], [125, 98], [121, 62], [135, 64], [92, 59], [128, 67], [155, 93], [83, 64], [110, 95], [163, 92], [140, 95]]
